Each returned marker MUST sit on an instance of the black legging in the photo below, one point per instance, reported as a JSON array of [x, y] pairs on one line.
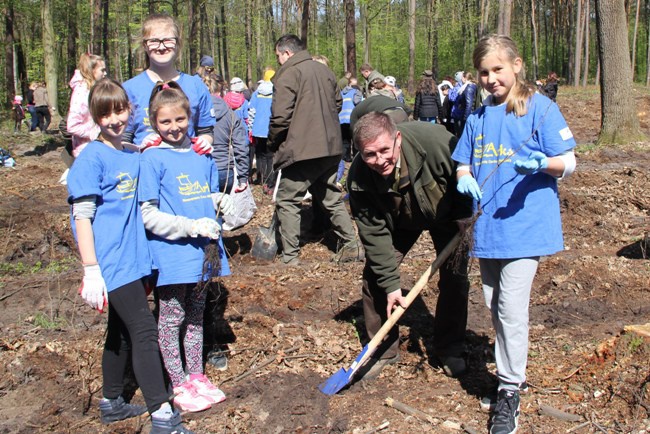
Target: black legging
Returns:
[[44, 117], [132, 329], [264, 162]]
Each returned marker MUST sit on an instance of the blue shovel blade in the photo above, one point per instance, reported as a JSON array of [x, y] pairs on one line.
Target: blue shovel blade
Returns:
[[342, 377]]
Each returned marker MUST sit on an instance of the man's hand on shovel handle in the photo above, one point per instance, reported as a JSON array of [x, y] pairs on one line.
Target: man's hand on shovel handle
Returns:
[[395, 299]]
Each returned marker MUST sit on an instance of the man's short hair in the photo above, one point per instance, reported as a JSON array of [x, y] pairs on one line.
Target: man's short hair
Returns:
[[371, 126], [366, 67], [290, 43]]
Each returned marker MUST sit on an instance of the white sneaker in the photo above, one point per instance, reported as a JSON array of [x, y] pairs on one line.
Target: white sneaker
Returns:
[[208, 390], [187, 398]]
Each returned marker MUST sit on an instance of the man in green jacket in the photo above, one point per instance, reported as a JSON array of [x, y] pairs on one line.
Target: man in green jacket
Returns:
[[403, 182], [305, 136]]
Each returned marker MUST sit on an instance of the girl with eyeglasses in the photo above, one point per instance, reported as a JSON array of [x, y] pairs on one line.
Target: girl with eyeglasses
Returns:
[[161, 42]]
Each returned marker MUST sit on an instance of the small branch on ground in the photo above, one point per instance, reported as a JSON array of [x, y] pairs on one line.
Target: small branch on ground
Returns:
[[404, 408]]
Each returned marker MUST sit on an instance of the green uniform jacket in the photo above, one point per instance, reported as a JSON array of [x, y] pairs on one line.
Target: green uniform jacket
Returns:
[[304, 122], [426, 151]]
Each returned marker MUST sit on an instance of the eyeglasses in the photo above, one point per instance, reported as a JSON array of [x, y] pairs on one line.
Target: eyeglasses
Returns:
[[373, 157], [155, 43]]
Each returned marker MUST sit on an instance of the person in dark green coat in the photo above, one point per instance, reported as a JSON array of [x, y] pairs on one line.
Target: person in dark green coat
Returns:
[[403, 182]]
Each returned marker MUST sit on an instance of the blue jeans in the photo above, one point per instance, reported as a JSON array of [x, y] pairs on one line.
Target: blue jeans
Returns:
[[32, 111], [226, 180], [432, 120]]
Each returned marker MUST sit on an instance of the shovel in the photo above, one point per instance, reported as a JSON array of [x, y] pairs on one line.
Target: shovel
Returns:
[[343, 376], [265, 246]]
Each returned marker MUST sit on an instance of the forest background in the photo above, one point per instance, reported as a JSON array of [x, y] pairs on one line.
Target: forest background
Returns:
[[44, 38]]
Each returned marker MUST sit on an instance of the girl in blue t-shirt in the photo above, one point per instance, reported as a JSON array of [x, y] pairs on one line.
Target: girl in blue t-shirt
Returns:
[[179, 196], [161, 41], [102, 191], [510, 155]]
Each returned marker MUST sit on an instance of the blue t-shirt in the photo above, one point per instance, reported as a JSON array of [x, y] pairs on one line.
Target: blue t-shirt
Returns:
[[182, 183], [521, 213], [120, 240], [139, 90]]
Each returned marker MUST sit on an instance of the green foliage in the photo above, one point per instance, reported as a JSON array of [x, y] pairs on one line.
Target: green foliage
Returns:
[[20, 268], [48, 322]]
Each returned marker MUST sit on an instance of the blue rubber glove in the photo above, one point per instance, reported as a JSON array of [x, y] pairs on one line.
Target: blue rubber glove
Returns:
[[536, 161], [468, 186]]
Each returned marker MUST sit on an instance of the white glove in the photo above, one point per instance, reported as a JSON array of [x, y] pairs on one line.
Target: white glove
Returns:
[[224, 203], [206, 227], [93, 288]]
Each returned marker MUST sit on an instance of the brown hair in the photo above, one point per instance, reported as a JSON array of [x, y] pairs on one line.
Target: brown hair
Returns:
[[107, 96], [427, 85], [521, 92], [86, 67], [168, 93], [371, 126]]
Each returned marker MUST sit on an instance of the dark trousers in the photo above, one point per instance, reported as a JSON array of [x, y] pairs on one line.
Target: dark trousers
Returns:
[[451, 310], [264, 158], [132, 330], [44, 117], [346, 135], [459, 126]]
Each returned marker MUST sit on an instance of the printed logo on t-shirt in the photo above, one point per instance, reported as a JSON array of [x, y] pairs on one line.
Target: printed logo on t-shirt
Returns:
[[127, 185], [490, 154], [566, 133], [188, 188]]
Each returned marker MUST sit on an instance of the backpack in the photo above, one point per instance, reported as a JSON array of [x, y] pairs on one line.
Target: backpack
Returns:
[[5, 159]]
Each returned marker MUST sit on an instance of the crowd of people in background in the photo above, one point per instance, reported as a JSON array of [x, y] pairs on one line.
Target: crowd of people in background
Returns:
[[192, 142]]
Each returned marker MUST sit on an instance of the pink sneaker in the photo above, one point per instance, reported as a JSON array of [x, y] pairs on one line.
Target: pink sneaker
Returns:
[[187, 398], [206, 389]]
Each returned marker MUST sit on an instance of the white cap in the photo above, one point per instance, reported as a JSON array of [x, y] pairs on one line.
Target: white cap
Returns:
[[390, 80], [237, 85]]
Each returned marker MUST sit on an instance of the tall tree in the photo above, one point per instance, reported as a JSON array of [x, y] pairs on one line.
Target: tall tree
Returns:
[[71, 24], [578, 45], [350, 39], [634, 35], [105, 29], [505, 17], [49, 54], [95, 26], [193, 18], [10, 81], [304, 22], [411, 84], [619, 122]]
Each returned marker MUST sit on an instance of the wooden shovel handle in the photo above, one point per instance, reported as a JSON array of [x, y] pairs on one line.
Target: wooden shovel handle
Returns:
[[414, 292]]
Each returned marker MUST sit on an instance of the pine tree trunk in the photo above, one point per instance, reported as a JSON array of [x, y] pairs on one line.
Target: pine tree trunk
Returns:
[[71, 47], [193, 17], [49, 56], [304, 22], [619, 123], [578, 45], [9, 54], [587, 31], [505, 15], [350, 39], [411, 73], [96, 26], [533, 23], [634, 35], [248, 41], [224, 39]]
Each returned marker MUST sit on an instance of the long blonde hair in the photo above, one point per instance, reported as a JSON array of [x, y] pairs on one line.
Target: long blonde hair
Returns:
[[521, 92], [86, 67]]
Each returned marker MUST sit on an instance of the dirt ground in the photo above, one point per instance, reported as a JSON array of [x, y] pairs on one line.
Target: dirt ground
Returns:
[[289, 329]]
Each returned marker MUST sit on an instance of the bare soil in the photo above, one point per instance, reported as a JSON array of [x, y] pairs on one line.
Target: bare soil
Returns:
[[289, 329]]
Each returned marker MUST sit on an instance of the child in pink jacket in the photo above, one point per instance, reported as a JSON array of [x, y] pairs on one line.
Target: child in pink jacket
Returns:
[[80, 123]]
